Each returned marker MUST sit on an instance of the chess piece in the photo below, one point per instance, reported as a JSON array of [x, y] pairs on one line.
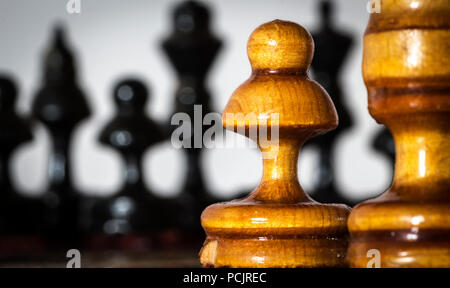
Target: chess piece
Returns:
[[278, 225], [331, 48], [13, 132], [406, 68], [60, 105], [191, 49], [19, 215], [384, 144], [134, 210]]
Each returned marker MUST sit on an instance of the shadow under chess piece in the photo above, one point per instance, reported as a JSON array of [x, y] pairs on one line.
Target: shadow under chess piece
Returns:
[[134, 211], [277, 225], [332, 47], [20, 216], [60, 105], [191, 49]]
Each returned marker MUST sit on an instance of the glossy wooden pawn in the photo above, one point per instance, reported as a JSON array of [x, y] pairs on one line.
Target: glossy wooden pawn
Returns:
[[60, 105], [278, 225], [133, 210], [406, 68]]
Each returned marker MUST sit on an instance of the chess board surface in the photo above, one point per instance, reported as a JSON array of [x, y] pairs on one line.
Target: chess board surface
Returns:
[[115, 259]]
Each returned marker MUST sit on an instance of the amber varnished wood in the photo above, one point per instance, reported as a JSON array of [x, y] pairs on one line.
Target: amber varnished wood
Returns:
[[406, 68], [278, 225]]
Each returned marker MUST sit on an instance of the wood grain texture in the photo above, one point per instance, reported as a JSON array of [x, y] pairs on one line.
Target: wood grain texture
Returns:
[[406, 68], [278, 225]]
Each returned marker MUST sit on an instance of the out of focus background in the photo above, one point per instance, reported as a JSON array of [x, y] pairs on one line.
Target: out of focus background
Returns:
[[113, 40]]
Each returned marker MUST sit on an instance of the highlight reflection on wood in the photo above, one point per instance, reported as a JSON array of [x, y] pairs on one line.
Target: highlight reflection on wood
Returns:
[[406, 68], [278, 225]]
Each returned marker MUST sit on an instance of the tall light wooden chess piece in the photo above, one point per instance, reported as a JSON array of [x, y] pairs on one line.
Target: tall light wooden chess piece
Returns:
[[278, 225], [406, 68]]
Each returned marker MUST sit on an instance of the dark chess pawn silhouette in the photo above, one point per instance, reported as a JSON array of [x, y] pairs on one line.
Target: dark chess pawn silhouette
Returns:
[[19, 215], [60, 105], [133, 210], [383, 142], [331, 49], [191, 49]]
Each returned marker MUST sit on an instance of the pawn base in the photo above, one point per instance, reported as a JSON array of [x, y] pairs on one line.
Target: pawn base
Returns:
[[250, 233]]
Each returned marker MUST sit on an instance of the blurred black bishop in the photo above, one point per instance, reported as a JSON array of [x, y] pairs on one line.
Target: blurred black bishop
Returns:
[[191, 49], [60, 106]]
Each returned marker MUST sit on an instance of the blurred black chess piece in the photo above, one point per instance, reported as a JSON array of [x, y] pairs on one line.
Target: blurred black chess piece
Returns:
[[134, 214], [19, 215], [331, 48], [383, 142], [14, 131], [191, 49], [60, 105]]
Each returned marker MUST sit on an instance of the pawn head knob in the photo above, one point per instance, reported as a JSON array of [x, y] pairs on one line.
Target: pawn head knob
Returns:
[[131, 93], [280, 45], [190, 16]]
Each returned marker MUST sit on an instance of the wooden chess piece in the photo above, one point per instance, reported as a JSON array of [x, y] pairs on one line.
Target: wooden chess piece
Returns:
[[134, 211], [278, 225], [406, 68], [60, 105], [331, 48], [191, 49]]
